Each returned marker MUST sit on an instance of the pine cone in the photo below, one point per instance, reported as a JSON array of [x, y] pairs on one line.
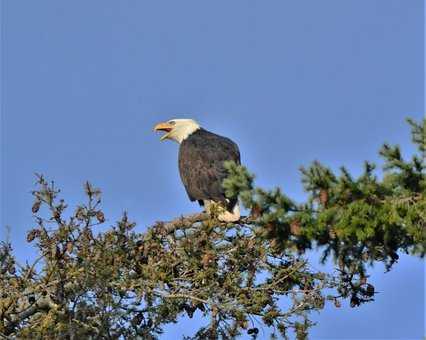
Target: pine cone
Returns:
[[295, 227], [100, 217], [36, 206], [323, 197]]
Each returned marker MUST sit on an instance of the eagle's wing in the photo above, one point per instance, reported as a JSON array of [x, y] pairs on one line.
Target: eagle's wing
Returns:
[[201, 164]]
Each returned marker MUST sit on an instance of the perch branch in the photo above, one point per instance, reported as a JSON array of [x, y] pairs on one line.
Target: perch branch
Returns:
[[188, 221]]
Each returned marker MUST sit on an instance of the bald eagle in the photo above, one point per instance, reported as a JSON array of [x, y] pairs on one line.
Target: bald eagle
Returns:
[[201, 165]]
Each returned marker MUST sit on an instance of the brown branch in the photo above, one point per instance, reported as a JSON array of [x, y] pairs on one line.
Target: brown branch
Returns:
[[44, 304], [183, 222], [181, 296], [4, 337], [188, 221]]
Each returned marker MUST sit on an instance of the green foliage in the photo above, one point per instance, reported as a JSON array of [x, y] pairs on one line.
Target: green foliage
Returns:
[[355, 220], [120, 283]]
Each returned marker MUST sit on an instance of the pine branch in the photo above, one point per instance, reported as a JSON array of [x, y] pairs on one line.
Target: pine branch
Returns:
[[120, 283], [189, 221]]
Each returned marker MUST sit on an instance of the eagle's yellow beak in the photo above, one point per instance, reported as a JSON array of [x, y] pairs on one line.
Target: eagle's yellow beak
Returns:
[[167, 127]]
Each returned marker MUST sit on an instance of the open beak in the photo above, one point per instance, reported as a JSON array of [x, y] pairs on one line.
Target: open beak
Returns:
[[164, 127]]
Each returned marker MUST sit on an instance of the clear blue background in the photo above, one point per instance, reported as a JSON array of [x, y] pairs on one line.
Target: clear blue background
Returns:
[[83, 83]]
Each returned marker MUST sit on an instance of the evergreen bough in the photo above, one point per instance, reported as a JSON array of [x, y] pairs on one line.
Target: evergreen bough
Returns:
[[120, 283]]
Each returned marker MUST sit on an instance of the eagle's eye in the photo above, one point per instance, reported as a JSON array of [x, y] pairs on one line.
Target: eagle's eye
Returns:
[[172, 122]]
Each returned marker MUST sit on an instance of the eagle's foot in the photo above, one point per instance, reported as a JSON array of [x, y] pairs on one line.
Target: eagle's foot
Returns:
[[221, 213]]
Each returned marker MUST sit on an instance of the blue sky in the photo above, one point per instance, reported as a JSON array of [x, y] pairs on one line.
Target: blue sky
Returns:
[[83, 83]]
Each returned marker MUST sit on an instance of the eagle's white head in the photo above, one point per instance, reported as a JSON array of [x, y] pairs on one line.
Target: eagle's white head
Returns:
[[177, 129]]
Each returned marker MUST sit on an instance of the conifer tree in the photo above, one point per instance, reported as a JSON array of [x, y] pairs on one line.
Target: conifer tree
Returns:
[[121, 283]]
